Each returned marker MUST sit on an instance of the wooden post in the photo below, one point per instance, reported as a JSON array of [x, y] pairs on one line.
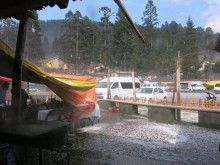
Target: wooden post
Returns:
[[134, 87], [174, 91], [108, 87], [17, 68], [178, 112]]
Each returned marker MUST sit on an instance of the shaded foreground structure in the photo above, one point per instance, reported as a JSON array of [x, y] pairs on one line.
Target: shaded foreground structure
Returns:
[[15, 67], [132, 139]]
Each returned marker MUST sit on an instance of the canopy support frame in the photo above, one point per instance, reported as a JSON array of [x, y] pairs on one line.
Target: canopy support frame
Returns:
[[17, 67]]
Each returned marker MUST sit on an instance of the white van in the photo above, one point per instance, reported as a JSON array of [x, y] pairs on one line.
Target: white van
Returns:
[[186, 87], [119, 86]]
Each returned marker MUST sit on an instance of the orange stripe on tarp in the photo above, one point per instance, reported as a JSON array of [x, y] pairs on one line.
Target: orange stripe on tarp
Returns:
[[75, 77], [76, 98], [73, 97]]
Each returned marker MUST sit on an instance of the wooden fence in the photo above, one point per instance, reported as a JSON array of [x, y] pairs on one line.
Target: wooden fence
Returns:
[[42, 98], [187, 103], [38, 98]]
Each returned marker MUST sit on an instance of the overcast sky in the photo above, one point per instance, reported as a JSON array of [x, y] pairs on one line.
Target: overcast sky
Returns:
[[204, 13]]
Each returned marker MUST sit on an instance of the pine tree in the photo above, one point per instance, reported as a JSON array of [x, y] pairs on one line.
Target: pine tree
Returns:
[[33, 46], [190, 62], [150, 15], [123, 34], [149, 23], [106, 51], [8, 31]]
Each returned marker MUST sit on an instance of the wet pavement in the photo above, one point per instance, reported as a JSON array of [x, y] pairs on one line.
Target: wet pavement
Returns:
[[135, 140]]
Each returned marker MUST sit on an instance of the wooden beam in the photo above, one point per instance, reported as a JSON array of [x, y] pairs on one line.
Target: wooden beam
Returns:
[[17, 68], [118, 2]]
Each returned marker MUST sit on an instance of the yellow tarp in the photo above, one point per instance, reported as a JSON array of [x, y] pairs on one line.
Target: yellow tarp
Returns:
[[212, 83], [76, 90]]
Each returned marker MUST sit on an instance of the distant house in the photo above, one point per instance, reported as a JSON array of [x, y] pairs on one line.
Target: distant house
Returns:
[[205, 65], [54, 63]]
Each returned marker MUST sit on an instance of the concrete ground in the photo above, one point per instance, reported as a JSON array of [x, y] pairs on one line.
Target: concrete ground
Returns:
[[120, 139]]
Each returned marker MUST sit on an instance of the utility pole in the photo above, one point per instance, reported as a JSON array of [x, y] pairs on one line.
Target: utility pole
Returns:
[[178, 112]]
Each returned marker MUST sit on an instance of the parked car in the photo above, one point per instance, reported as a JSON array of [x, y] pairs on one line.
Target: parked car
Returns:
[[198, 88], [151, 93], [217, 88]]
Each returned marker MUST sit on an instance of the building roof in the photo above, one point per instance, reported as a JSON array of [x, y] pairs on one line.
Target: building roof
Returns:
[[16, 8]]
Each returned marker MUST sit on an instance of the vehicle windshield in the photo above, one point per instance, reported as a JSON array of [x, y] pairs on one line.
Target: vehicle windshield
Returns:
[[217, 85], [102, 85], [184, 85], [144, 90]]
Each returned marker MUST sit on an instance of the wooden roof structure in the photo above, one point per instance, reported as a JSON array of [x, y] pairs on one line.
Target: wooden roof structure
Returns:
[[16, 8]]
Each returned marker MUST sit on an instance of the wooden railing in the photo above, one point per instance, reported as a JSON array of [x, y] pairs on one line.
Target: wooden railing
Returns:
[[187, 103], [38, 98]]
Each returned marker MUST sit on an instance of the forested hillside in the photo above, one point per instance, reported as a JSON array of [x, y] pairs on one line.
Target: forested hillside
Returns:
[[51, 29], [80, 41]]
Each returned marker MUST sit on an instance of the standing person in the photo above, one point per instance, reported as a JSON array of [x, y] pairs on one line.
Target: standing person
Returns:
[[3, 89], [24, 98]]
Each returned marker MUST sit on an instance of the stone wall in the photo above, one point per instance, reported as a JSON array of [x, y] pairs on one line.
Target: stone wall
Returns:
[[166, 115], [210, 119], [123, 107]]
